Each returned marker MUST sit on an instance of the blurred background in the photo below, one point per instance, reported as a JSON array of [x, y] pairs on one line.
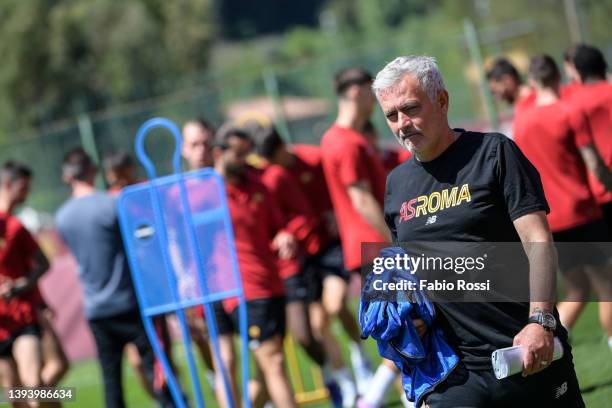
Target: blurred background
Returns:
[[90, 72]]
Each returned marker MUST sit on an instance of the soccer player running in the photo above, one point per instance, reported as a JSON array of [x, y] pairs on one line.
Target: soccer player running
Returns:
[[22, 263], [355, 177], [87, 222], [506, 204], [257, 223]]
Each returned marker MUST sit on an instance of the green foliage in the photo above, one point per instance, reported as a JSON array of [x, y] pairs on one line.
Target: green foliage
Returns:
[[374, 18], [595, 19], [301, 43], [67, 57]]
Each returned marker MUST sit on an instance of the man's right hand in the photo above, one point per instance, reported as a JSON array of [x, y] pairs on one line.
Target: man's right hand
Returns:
[[5, 290], [286, 245]]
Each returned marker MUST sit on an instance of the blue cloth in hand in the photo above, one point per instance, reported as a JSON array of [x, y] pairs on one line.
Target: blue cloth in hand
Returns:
[[423, 362]]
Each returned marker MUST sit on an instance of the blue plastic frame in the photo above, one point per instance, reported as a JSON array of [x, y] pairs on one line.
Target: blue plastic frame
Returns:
[[148, 313]]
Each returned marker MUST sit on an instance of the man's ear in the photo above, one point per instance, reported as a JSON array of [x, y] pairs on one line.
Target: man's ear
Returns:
[[352, 92], [443, 100]]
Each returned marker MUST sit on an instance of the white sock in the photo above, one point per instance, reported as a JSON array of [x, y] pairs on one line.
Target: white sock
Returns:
[[610, 342], [345, 381], [382, 380], [342, 375], [358, 355], [210, 376]]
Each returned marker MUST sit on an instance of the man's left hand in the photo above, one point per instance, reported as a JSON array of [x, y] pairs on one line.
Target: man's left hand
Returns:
[[285, 244], [538, 347]]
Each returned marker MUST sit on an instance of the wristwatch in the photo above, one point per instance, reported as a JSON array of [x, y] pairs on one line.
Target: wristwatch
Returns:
[[545, 319]]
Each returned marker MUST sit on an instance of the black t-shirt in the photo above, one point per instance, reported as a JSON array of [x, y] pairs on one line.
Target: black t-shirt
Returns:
[[472, 192]]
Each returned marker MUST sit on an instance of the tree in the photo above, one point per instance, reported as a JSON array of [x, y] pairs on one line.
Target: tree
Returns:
[[61, 58]]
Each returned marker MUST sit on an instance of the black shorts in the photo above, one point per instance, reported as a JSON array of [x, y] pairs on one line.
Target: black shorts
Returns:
[[265, 319], [556, 386], [296, 288], [571, 256], [6, 346], [328, 262], [607, 212]]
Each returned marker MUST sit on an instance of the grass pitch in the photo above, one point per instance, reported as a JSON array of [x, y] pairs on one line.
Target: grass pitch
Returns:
[[592, 359]]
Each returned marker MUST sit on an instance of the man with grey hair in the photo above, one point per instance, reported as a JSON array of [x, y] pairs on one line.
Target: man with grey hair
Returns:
[[503, 202]]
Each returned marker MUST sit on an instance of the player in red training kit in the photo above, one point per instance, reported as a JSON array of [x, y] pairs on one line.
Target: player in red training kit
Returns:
[[356, 181], [594, 98], [257, 222], [322, 269], [561, 148], [22, 263]]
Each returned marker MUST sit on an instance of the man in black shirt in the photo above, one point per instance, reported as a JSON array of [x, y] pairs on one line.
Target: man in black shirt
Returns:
[[475, 187]]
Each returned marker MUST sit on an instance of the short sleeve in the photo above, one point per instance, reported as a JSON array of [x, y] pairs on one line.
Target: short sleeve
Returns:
[[294, 205], [26, 240], [581, 129], [277, 220], [352, 164], [389, 217], [519, 181]]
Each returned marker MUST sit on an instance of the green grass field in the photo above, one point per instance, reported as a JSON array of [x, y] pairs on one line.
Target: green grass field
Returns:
[[592, 358]]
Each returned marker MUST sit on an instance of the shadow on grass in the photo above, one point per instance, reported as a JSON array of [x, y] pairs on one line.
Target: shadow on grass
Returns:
[[594, 387]]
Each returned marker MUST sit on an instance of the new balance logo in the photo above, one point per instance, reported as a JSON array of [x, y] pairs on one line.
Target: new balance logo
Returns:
[[561, 390], [431, 220]]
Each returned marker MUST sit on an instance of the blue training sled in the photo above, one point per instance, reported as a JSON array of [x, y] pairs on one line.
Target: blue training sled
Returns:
[[180, 245]]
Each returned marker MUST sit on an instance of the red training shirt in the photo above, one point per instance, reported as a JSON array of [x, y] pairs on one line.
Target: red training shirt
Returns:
[[347, 159], [595, 100], [17, 249], [297, 215], [550, 137], [568, 89], [256, 219], [307, 169], [392, 158], [525, 102]]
